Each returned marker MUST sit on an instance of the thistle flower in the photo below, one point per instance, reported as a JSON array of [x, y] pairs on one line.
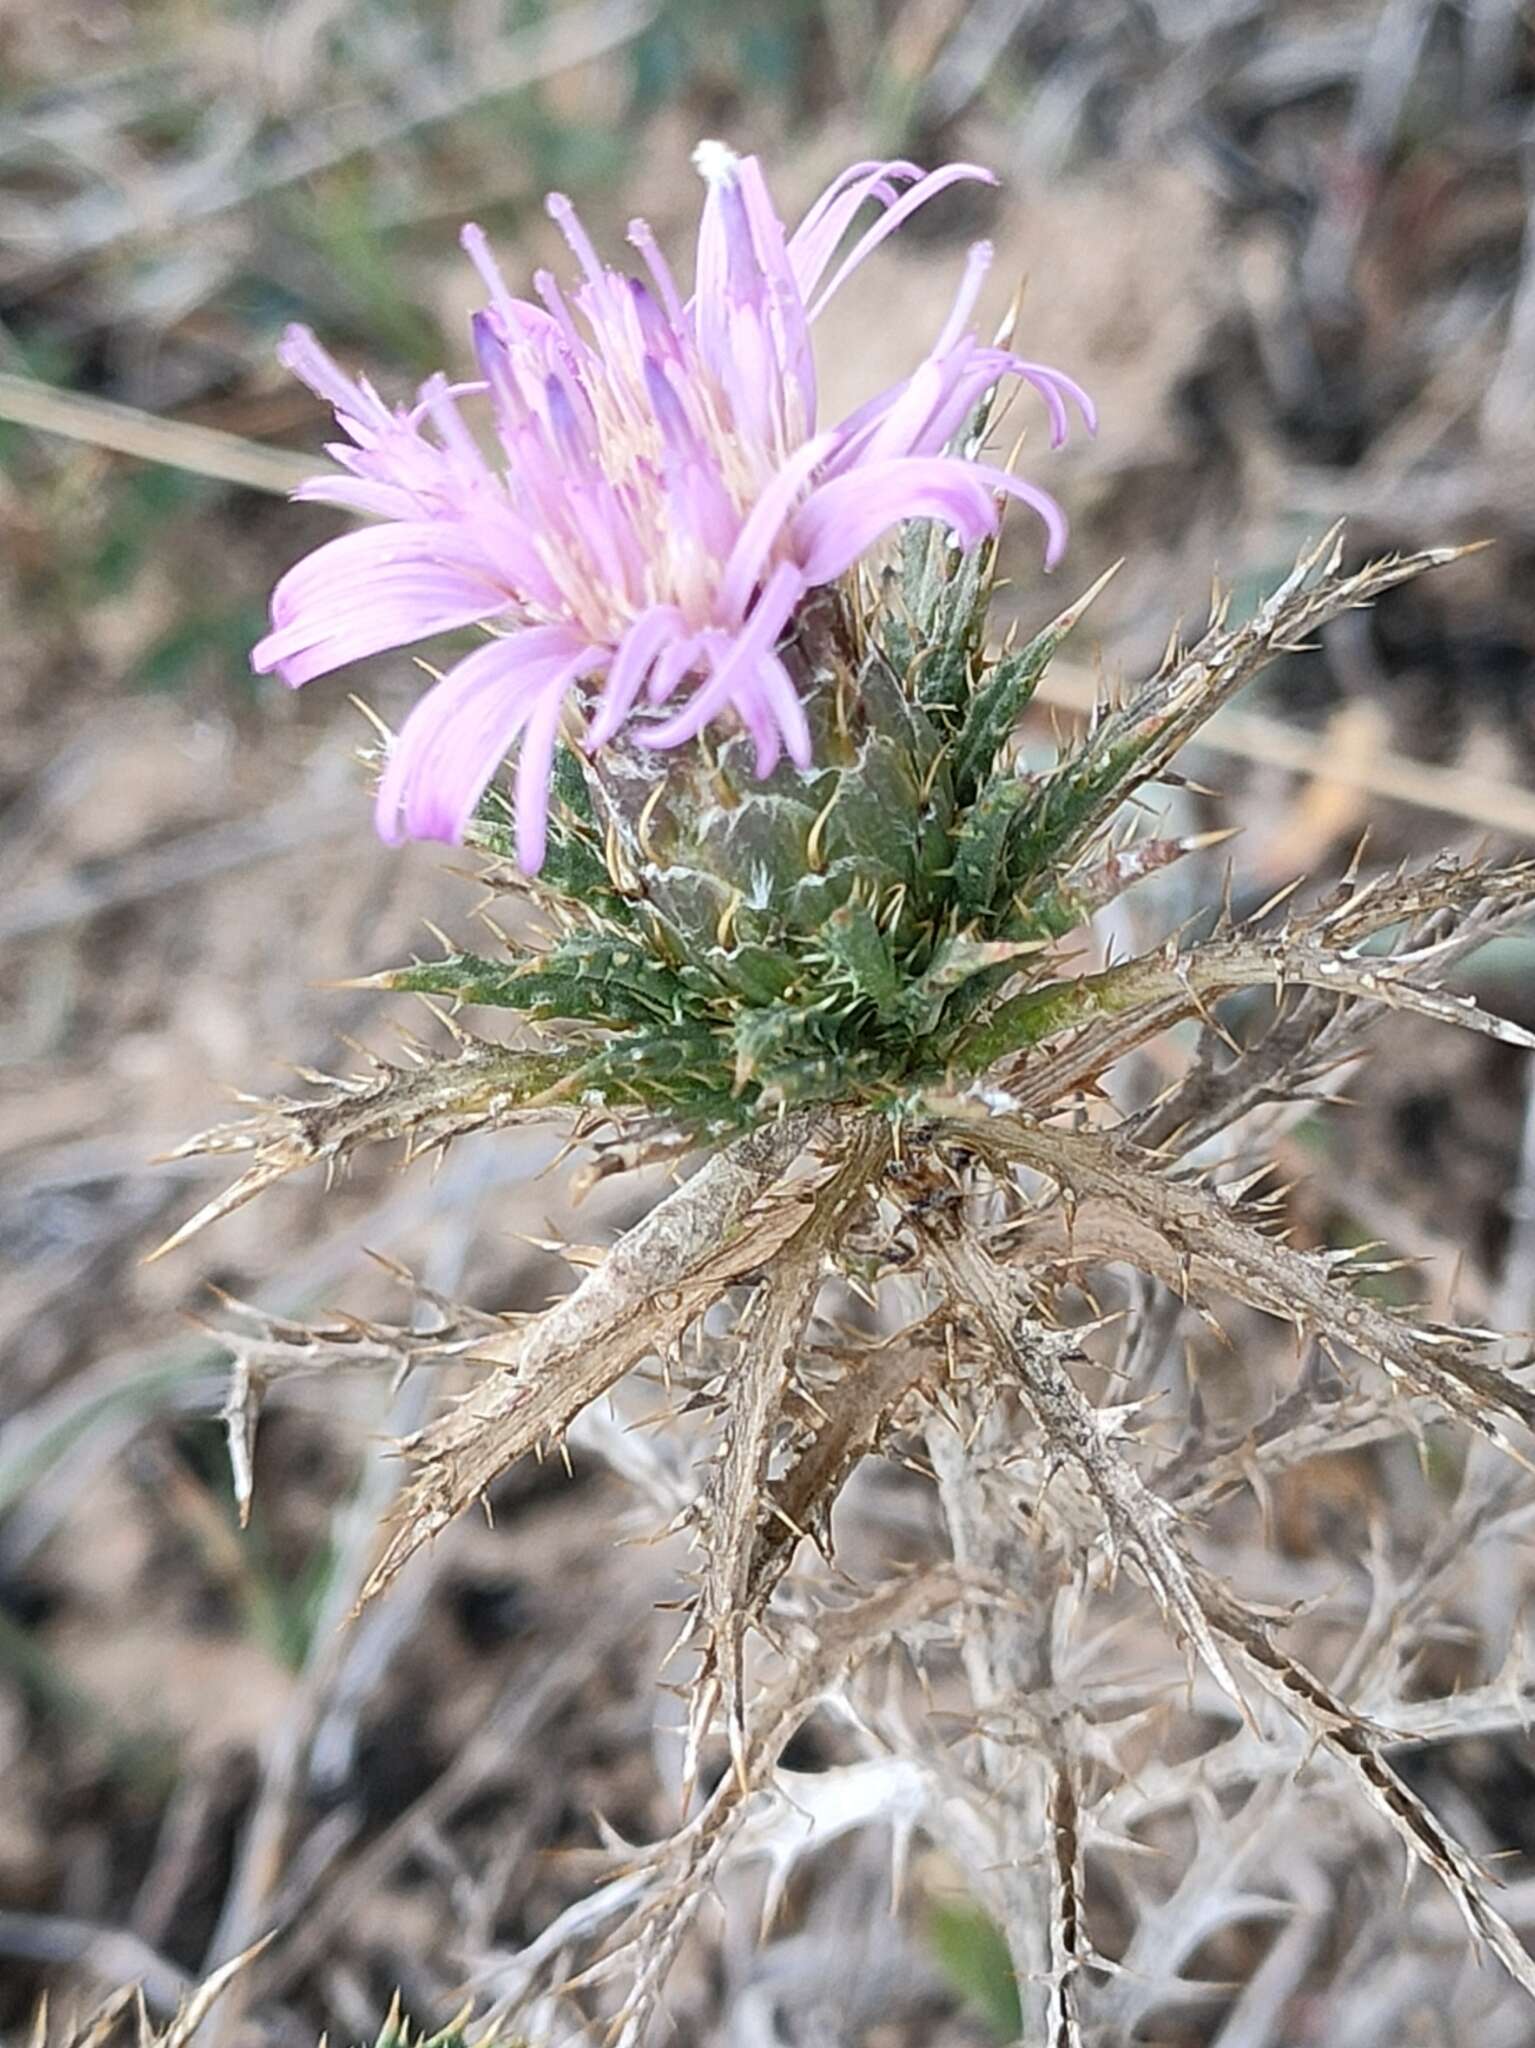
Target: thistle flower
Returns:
[[661, 502]]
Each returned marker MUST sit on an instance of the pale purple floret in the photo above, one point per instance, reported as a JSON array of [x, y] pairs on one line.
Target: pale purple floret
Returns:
[[658, 503]]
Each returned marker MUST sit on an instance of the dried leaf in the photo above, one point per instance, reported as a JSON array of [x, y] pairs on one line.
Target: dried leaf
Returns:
[[1188, 1237], [708, 1234], [771, 1334], [482, 1087]]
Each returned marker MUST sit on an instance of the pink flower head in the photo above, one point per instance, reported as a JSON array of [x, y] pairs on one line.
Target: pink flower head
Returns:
[[658, 503]]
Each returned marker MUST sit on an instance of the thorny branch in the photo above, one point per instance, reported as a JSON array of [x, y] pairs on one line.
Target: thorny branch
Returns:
[[1131, 1001], [874, 958], [484, 1087], [1132, 743], [1190, 1238], [1135, 1521], [772, 1332], [1024, 1761], [718, 1228], [660, 1896]]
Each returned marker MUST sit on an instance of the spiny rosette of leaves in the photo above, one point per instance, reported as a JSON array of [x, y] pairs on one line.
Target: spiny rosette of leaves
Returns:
[[721, 946], [716, 949]]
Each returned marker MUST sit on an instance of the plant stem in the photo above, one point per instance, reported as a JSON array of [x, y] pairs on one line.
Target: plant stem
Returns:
[[1006, 1648]]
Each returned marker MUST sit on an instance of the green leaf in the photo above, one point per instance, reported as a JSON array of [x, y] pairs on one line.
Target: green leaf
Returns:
[[972, 965], [1002, 696], [973, 1955], [980, 871], [999, 702], [588, 978], [862, 952], [573, 868]]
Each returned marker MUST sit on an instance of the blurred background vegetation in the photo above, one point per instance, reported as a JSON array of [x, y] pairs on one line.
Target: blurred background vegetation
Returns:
[[1289, 249]]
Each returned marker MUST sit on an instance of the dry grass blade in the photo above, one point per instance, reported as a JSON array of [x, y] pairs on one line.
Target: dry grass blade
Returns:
[[105, 1955], [152, 209], [713, 1231], [125, 430], [190, 860], [118, 1955]]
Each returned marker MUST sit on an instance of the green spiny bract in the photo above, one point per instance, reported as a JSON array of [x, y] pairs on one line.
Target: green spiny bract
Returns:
[[725, 945]]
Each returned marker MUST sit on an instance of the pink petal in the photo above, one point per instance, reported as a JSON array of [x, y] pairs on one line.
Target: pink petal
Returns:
[[814, 241], [515, 313], [568, 221], [900, 431], [780, 594], [357, 494], [535, 758], [755, 542], [1044, 379], [772, 680], [894, 215], [642, 236], [652, 631], [846, 516], [314, 365], [961, 382], [378, 588], [790, 326], [679, 660], [457, 736], [977, 262]]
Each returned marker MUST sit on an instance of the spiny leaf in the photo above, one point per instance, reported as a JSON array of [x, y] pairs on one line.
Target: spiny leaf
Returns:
[[944, 596], [574, 870], [1003, 694], [1349, 1739], [1134, 1520], [861, 950], [1191, 1239], [1201, 1605], [772, 1332], [672, 1266], [1160, 987], [958, 964], [1133, 744], [981, 845], [480, 1087], [1090, 889], [587, 978], [848, 1420]]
